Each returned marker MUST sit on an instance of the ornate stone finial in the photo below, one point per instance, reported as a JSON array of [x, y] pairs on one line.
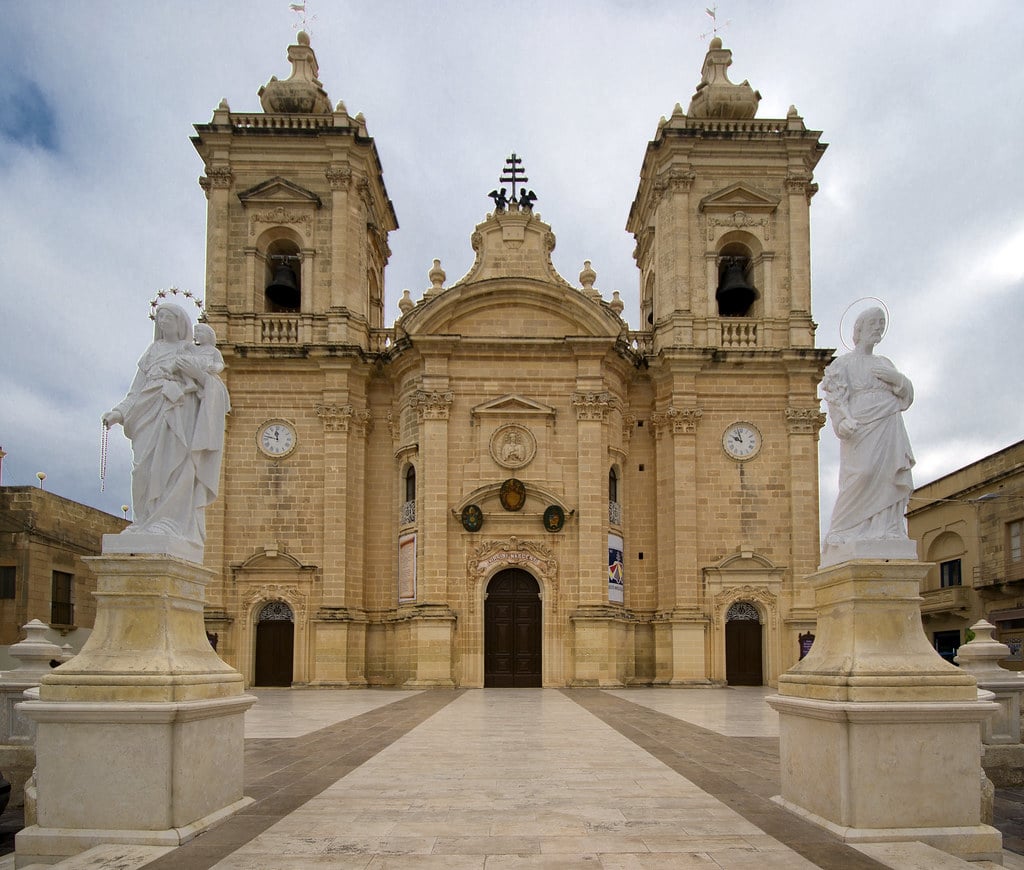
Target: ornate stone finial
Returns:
[[587, 278], [302, 93], [35, 652], [716, 96], [981, 656], [223, 106], [405, 304], [436, 276], [340, 108], [616, 304]]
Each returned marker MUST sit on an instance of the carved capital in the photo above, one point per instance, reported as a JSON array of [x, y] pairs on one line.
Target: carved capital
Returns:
[[432, 404], [336, 418], [339, 177], [804, 421], [628, 426], [678, 421], [592, 406], [216, 179]]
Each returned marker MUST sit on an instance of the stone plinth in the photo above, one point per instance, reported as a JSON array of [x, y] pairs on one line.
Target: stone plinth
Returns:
[[139, 738], [880, 738]]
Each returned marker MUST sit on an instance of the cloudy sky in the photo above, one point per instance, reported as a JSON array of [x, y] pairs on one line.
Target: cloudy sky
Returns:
[[921, 198]]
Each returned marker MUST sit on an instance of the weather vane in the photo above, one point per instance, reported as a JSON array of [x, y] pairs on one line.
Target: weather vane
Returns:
[[513, 174], [712, 12], [304, 19]]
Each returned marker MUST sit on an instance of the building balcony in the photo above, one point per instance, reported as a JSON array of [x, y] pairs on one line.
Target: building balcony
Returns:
[[953, 600]]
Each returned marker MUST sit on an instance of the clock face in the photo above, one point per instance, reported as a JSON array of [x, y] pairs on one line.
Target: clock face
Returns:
[[276, 438], [742, 441]]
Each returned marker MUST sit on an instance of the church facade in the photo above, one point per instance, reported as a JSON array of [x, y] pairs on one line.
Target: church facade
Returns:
[[510, 486]]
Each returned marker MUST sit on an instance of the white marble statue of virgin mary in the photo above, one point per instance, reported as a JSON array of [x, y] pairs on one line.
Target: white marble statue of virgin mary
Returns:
[[866, 398], [174, 416]]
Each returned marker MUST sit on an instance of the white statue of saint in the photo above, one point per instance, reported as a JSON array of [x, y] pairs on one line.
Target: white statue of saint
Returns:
[[866, 398], [174, 416]]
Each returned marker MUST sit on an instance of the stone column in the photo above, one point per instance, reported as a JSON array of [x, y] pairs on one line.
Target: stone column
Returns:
[[803, 426], [874, 724], [680, 624], [432, 622], [139, 738]]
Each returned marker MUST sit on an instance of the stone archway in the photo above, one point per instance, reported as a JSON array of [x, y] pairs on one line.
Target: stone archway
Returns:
[[275, 645], [512, 631], [744, 665]]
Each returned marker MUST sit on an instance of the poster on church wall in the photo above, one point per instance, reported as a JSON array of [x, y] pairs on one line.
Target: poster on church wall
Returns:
[[407, 568], [615, 587]]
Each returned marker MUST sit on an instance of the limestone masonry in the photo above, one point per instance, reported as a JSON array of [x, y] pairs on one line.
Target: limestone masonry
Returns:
[[510, 486]]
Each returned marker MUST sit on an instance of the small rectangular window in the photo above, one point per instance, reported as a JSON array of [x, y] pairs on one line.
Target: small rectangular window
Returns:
[[8, 573], [62, 604], [1015, 530], [946, 644], [950, 573]]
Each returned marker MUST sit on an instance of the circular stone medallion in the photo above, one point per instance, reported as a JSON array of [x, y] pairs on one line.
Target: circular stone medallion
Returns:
[[512, 494], [513, 446], [472, 518]]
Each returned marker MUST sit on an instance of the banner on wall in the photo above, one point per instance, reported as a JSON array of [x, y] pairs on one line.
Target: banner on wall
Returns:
[[615, 587]]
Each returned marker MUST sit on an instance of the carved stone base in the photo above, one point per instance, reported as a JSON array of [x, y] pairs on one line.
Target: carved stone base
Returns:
[[873, 723], [140, 737]]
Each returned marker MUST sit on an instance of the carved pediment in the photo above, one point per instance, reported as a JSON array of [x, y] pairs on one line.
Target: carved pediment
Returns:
[[278, 191], [739, 197], [511, 405]]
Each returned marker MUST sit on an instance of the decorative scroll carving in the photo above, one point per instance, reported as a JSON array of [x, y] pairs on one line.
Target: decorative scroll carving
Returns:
[[678, 420], [738, 220], [593, 406], [513, 446], [281, 215], [728, 597], [288, 593], [804, 421], [432, 404], [512, 552]]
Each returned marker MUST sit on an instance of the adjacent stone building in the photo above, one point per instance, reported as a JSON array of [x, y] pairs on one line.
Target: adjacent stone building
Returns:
[[510, 486], [43, 539], [970, 524]]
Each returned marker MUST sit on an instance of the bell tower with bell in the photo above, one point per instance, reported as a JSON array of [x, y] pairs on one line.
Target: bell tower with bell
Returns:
[[298, 217], [721, 222], [297, 242]]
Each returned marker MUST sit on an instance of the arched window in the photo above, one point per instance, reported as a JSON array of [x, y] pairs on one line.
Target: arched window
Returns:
[[409, 504], [614, 508]]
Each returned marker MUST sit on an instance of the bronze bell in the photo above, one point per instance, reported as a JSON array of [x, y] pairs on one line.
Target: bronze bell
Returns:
[[734, 294], [283, 290]]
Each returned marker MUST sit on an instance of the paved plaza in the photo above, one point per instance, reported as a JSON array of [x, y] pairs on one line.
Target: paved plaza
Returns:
[[517, 778]]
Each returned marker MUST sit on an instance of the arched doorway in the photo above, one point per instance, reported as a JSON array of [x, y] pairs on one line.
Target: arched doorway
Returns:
[[743, 666], [512, 631], [275, 645]]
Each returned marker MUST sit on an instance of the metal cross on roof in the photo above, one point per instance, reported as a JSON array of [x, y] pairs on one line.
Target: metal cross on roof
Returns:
[[512, 174]]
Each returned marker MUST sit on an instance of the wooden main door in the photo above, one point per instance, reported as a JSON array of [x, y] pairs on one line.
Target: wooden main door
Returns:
[[512, 631], [743, 665], [275, 646]]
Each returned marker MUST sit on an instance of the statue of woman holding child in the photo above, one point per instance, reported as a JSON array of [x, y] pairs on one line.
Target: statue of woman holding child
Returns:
[[174, 416]]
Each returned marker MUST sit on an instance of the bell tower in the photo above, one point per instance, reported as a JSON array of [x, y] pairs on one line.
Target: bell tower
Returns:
[[298, 217], [721, 222]]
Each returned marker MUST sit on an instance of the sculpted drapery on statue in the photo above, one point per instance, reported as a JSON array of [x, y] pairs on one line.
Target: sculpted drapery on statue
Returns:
[[174, 416], [866, 398]]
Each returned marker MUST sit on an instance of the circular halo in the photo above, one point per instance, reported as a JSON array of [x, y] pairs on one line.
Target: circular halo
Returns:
[[162, 296], [858, 307]]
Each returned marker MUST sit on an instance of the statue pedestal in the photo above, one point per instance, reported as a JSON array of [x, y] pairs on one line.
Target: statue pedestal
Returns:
[[880, 738], [139, 738]]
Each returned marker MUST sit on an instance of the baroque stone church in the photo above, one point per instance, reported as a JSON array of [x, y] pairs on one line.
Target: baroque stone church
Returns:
[[509, 486]]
